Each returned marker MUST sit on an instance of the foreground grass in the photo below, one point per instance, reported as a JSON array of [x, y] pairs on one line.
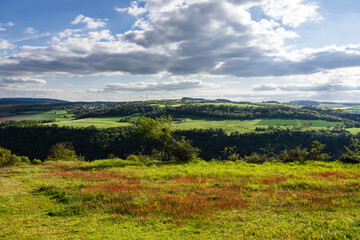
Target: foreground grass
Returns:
[[116, 199]]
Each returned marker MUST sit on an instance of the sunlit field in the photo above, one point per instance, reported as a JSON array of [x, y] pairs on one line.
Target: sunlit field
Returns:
[[116, 199]]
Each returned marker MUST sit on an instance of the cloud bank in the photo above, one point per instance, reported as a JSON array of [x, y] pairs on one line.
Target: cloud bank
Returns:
[[185, 38], [154, 86], [21, 81], [182, 38]]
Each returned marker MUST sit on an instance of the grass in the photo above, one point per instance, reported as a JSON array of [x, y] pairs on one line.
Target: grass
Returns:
[[54, 114], [101, 122], [297, 122], [244, 126], [228, 125], [352, 109], [241, 126], [116, 199]]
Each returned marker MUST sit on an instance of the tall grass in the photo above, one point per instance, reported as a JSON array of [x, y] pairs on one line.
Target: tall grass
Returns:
[[197, 200]]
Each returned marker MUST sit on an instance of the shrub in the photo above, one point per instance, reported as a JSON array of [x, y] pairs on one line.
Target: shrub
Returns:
[[183, 151], [230, 153], [63, 152], [25, 159], [133, 158], [296, 154], [160, 131], [8, 159], [352, 154], [111, 156], [255, 158], [36, 161]]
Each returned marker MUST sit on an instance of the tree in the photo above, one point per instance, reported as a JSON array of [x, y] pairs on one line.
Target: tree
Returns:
[[296, 154], [315, 152], [62, 151], [352, 154], [160, 131]]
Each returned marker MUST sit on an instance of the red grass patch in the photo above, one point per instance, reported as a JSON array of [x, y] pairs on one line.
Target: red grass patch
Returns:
[[93, 175], [274, 179], [332, 176], [111, 188], [188, 180]]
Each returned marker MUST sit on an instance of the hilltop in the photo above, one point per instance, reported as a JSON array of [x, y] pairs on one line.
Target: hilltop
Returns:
[[29, 100]]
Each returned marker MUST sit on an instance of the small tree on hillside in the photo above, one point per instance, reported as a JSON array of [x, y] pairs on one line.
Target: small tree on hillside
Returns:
[[315, 152], [160, 131], [352, 154], [62, 151]]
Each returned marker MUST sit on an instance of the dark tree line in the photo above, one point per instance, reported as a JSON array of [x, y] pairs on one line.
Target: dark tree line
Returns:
[[222, 111], [93, 143]]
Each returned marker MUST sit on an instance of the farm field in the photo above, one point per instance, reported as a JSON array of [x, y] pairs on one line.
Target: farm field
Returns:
[[345, 107], [101, 122], [63, 118], [241, 126], [229, 126], [54, 114], [117, 199]]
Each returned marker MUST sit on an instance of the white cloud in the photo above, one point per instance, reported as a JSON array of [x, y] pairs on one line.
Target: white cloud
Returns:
[[21, 82], [185, 38], [4, 44], [134, 9], [103, 35], [9, 24], [90, 22], [292, 12], [30, 30], [154, 86]]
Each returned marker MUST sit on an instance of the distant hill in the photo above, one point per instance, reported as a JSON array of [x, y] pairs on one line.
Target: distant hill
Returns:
[[315, 103], [304, 103], [203, 100], [5, 101]]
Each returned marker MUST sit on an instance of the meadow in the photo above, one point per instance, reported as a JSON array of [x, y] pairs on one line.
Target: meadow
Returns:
[[119, 199], [348, 108], [54, 114], [63, 118]]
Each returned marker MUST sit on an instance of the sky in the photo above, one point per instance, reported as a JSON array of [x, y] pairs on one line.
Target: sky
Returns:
[[242, 50]]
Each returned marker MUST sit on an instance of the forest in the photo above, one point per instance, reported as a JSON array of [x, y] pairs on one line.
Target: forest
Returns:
[[34, 138]]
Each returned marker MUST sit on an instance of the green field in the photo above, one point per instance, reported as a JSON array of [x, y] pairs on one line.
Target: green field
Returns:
[[116, 199], [207, 123], [55, 114], [105, 122], [296, 122], [243, 126], [63, 118], [347, 108]]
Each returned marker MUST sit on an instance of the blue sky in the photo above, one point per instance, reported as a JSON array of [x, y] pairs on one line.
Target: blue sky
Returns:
[[243, 50]]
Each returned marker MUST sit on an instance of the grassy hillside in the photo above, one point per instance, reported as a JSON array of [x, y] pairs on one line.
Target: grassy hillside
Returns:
[[232, 117], [116, 199]]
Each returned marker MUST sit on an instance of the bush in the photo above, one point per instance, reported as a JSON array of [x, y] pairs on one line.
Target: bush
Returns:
[[36, 161], [230, 153], [352, 154], [255, 158], [63, 152], [183, 151], [133, 158], [160, 131], [296, 154], [7, 159], [25, 160]]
